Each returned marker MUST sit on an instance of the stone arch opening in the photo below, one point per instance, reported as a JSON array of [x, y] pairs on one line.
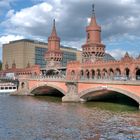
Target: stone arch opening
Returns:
[[87, 74], [127, 72], [98, 74], [82, 74], [111, 73], [137, 74], [112, 95], [22, 85], [47, 90], [93, 74], [104, 74], [118, 72]]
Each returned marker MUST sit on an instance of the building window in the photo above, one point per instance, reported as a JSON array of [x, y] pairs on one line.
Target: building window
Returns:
[[88, 35], [39, 56]]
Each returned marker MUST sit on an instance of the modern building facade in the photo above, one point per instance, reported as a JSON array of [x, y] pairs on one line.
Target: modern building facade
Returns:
[[26, 52]]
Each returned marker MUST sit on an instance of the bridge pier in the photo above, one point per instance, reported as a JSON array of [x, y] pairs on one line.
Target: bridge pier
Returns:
[[72, 93], [23, 88]]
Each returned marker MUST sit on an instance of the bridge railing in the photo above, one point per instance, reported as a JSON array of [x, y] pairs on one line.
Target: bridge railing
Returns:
[[50, 78], [110, 80]]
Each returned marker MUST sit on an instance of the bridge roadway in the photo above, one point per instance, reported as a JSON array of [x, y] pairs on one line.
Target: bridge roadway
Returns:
[[80, 90]]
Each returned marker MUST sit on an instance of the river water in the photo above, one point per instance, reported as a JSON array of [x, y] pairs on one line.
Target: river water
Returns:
[[47, 118]]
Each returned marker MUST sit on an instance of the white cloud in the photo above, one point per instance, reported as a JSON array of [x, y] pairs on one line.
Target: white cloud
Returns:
[[40, 14], [127, 1], [30, 21], [10, 13], [8, 38], [74, 44], [29, 16], [119, 53]]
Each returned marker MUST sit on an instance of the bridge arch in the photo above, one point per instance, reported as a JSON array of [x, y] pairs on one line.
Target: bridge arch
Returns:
[[101, 91], [45, 86]]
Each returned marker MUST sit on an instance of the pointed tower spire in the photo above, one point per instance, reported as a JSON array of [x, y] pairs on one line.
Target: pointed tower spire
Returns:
[[54, 29], [93, 11], [53, 40], [93, 19]]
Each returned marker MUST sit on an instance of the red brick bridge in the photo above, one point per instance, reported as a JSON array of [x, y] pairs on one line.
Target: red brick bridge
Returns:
[[79, 90]]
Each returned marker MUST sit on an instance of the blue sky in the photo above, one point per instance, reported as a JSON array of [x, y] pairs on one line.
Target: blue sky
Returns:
[[120, 22]]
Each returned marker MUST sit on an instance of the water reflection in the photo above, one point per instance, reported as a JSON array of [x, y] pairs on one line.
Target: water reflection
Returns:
[[47, 118]]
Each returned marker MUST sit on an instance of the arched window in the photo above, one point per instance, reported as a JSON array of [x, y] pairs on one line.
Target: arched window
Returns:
[[73, 75], [88, 35]]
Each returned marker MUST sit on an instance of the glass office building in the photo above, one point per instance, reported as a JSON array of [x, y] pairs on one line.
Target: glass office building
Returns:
[[40, 53], [68, 56]]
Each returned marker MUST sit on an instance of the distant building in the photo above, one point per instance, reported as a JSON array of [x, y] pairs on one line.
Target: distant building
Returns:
[[27, 52]]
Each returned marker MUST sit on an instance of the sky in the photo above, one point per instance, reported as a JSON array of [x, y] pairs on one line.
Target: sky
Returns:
[[32, 19]]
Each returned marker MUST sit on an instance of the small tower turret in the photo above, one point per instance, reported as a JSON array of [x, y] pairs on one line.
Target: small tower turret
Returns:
[[93, 49], [54, 55]]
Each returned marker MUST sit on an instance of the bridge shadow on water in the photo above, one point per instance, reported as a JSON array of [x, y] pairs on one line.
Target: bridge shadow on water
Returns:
[[47, 91], [101, 97], [115, 98]]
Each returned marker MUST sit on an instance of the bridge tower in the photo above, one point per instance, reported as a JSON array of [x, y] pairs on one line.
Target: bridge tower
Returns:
[[93, 49], [54, 55]]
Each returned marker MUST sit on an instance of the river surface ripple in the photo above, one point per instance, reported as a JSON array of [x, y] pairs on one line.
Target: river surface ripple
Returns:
[[47, 118]]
